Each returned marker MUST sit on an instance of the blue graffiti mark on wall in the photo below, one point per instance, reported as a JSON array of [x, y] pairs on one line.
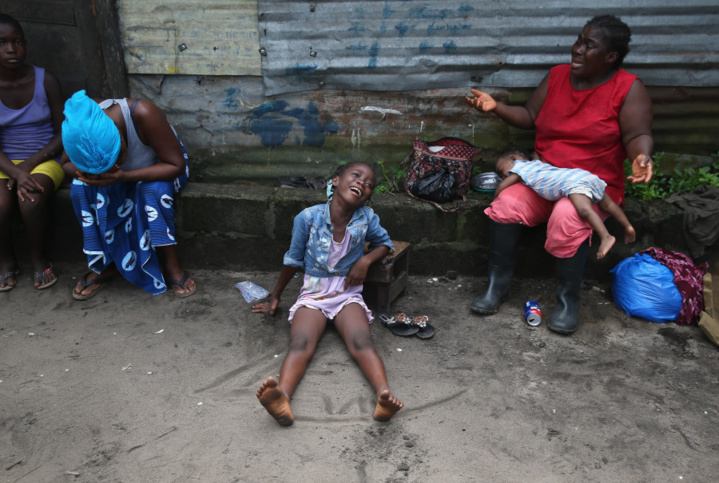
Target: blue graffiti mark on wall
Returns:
[[445, 29], [300, 72], [429, 13], [403, 28], [424, 46], [465, 9], [230, 102], [373, 53], [449, 46], [387, 12], [357, 47], [273, 122]]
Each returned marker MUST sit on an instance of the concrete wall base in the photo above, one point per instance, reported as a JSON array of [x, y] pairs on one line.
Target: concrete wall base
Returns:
[[241, 227]]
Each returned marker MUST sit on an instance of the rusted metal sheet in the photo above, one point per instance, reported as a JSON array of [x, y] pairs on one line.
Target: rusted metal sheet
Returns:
[[233, 131], [212, 37], [404, 45]]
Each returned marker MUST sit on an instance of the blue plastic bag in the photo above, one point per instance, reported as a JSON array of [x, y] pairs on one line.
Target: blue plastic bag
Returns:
[[645, 288]]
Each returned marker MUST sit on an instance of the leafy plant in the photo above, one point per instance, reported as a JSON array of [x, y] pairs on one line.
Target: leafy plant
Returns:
[[681, 180], [393, 176]]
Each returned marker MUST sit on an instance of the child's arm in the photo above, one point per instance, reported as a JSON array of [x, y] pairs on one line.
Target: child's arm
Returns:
[[358, 271], [292, 263], [53, 148], [609, 206], [270, 307], [380, 245], [507, 182]]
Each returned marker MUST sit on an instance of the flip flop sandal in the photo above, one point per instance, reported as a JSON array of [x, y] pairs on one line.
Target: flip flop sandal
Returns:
[[400, 327], [40, 276], [101, 282], [181, 283], [14, 275], [425, 330]]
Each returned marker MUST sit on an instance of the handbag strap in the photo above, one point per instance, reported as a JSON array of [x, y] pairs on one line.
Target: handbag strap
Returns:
[[448, 211]]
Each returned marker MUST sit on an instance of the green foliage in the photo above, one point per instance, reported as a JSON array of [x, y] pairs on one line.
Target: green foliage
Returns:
[[393, 177], [662, 186]]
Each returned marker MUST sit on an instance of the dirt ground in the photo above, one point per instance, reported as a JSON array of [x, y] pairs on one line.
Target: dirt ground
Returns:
[[130, 387]]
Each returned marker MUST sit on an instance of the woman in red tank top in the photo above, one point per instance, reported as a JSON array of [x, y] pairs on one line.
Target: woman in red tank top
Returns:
[[589, 114]]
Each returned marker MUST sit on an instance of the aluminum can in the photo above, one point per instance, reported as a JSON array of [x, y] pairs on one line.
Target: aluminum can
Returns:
[[532, 313]]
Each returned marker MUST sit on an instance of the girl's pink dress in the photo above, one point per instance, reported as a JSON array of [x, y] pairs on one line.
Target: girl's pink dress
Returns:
[[328, 294]]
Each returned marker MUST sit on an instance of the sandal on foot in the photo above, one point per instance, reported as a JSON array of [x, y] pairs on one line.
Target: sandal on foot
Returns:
[[9, 276], [398, 325], [101, 282], [40, 276], [425, 331], [181, 283]]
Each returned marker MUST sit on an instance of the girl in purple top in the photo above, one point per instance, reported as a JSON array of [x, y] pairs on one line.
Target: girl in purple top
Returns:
[[328, 244], [30, 146]]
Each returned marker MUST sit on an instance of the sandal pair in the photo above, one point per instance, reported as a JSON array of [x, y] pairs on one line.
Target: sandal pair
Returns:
[[405, 325]]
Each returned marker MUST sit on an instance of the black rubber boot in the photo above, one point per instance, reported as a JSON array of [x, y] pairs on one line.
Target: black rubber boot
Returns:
[[502, 240], [569, 272]]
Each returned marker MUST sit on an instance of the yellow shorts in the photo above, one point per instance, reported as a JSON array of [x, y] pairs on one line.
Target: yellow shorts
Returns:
[[49, 168]]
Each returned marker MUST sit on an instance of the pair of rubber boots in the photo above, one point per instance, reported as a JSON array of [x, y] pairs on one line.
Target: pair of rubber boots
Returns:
[[502, 240]]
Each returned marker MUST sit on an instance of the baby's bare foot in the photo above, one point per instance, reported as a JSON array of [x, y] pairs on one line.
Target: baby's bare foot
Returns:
[[387, 406], [275, 402], [604, 247], [630, 235]]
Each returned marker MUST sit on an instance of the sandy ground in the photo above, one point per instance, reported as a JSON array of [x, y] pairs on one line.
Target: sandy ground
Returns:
[[129, 387]]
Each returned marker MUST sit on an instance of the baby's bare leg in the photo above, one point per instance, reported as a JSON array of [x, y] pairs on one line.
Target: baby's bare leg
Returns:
[[630, 235], [584, 208], [308, 325], [353, 327]]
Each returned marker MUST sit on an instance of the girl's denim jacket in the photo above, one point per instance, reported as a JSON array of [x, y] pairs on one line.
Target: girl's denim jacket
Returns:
[[312, 237]]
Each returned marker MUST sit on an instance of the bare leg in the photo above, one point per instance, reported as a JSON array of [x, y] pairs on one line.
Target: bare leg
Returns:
[[308, 325], [8, 202], [353, 327], [584, 208], [173, 270], [35, 216]]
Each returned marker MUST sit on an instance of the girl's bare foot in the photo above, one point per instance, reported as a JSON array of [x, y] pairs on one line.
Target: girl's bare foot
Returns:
[[387, 406], [604, 247], [275, 402]]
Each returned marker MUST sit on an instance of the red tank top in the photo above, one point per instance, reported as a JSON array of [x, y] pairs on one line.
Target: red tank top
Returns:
[[580, 128]]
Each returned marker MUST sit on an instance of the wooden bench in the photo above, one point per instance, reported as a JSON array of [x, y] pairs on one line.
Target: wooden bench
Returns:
[[387, 278]]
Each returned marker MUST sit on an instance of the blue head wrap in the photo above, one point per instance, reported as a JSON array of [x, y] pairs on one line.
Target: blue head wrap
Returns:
[[89, 136]]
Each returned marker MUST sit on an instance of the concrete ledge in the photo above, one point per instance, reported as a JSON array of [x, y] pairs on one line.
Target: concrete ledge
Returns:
[[242, 227]]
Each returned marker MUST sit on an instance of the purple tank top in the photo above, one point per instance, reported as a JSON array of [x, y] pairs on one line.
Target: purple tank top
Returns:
[[25, 131]]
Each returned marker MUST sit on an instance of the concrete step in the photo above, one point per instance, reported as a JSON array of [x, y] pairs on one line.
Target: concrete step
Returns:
[[242, 227]]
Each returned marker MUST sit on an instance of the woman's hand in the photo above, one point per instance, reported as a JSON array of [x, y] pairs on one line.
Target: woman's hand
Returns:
[[482, 102], [267, 307], [642, 169], [114, 175]]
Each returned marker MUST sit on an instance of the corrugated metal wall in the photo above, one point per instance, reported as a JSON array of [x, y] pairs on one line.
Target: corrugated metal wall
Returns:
[[235, 130], [404, 45], [212, 37]]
